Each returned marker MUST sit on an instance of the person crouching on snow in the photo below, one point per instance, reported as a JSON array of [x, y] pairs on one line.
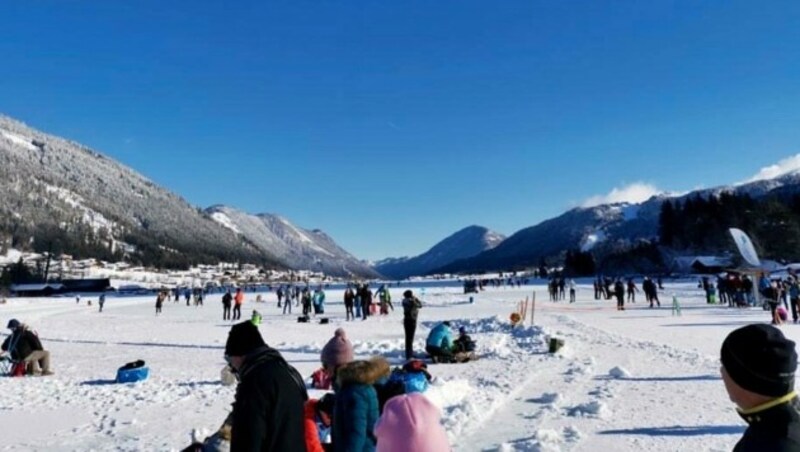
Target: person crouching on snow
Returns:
[[758, 369], [439, 344], [24, 345]]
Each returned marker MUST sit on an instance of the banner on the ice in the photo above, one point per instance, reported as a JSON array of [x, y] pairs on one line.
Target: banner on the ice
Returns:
[[746, 248]]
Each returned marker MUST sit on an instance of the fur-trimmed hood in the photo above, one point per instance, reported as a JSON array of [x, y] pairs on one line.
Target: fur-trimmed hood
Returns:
[[363, 372]]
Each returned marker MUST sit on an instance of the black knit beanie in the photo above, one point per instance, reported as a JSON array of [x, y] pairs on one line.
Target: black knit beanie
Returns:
[[760, 359], [243, 339]]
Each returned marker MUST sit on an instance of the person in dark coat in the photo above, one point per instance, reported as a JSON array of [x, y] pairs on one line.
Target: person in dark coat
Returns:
[[268, 413], [24, 345], [411, 306], [227, 299], [356, 410], [758, 369], [366, 301], [619, 291], [349, 300]]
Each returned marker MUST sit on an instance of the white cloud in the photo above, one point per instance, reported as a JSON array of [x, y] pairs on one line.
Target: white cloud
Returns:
[[786, 165], [633, 193]]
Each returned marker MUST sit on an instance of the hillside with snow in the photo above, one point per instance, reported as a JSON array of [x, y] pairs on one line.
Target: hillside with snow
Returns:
[[60, 195], [603, 228], [294, 247], [465, 243]]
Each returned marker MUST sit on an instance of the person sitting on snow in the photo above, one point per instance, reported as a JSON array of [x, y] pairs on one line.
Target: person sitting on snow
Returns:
[[439, 344], [464, 343], [24, 345], [758, 369]]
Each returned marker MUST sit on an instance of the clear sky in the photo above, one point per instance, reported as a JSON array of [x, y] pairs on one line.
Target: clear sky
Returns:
[[392, 124]]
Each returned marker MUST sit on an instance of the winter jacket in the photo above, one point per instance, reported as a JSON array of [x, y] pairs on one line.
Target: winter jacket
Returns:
[[356, 409], [313, 443], [21, 343], [239, 298], [226, 299], [268, 411], [774, 428], [440, 336], [411, 308], [349, 297]]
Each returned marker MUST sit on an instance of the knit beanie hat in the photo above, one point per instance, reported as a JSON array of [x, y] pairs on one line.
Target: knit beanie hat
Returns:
[[337, 351], [243, 339], [760, 359], [411, 423]]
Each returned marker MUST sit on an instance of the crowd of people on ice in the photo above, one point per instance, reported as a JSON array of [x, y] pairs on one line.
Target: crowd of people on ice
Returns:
[[779, 295], [368, 406]]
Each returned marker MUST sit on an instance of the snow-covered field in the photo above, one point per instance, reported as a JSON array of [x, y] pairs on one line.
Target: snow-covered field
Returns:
[[639, 380]]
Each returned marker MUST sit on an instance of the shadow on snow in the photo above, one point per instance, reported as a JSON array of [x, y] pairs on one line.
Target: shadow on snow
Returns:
[[678, 430]]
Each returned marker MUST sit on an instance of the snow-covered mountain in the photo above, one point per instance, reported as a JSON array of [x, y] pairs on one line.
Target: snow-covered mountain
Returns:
[[465, 243], [602, 226], [294, 247], [58, 194]]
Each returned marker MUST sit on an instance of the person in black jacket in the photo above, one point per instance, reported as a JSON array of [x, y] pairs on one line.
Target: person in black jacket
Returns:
[[411, 306], [268, 412], [24, 345], [758, 369], [227, 299]]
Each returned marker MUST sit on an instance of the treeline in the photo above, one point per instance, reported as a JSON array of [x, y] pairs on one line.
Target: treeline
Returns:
[[700, 224]]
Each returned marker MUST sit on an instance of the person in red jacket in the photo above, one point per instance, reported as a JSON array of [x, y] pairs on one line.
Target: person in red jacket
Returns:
[[318, 415], [238, 299]]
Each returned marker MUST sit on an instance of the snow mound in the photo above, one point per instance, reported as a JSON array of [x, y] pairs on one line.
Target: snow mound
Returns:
[[592, 409], [619, 373], [543, 440]]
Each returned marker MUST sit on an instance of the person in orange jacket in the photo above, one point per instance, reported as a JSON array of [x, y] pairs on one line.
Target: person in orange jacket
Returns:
[[238, 299], [318, 415]]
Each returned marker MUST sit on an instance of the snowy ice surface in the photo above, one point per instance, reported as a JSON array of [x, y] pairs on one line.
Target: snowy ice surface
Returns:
[[516, 397]]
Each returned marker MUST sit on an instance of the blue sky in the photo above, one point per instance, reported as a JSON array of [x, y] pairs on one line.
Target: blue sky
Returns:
[[391, 125]]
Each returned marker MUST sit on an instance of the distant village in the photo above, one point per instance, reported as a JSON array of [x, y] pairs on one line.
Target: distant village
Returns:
[[30, 274]]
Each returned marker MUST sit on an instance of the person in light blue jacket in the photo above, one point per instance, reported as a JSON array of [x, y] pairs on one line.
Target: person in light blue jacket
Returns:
[[440, 343]]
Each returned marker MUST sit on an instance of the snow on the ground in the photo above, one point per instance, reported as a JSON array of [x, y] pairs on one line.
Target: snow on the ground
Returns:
[[642, 379]]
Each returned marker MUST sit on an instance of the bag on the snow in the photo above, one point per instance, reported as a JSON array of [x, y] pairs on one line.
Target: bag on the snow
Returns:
[[303, 319]]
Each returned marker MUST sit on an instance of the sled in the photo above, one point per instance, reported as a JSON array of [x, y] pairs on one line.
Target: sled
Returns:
[[132, 372], [463, 357]]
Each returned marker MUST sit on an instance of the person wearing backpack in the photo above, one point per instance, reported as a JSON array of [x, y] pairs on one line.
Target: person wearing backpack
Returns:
[[268, 411], [411, 307]]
